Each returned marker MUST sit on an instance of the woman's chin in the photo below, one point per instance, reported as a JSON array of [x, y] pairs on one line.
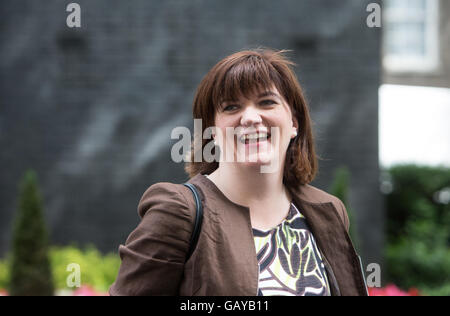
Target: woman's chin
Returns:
[[256, 160]]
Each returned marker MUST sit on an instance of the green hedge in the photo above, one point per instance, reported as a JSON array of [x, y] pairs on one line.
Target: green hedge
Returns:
[[4, 274], [97, 270], [418, 234]]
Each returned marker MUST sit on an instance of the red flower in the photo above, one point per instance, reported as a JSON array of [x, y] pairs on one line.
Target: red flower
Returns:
[[86, 290], [392, 290]]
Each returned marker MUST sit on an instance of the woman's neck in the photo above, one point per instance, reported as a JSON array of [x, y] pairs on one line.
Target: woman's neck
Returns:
[[248, 186]]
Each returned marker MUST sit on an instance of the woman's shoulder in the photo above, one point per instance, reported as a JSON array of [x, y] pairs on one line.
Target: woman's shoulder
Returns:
[[165, 195], [312, 194]]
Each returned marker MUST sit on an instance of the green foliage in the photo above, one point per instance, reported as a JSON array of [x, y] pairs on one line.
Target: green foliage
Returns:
[[97, 270], [4, 275], [339, 188], [418, 236], [30, 271], [33, 268]]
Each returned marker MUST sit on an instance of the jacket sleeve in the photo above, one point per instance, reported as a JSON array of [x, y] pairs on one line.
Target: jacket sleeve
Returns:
[[154, 253], [344, 215]]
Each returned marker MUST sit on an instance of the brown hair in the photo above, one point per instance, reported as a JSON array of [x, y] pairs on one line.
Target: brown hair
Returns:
[[244, 73]]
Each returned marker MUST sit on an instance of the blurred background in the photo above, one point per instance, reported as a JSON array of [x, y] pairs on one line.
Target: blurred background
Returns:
[[86, 115]]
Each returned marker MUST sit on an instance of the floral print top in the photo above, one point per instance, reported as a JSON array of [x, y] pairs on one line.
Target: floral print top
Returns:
[[289, 260]]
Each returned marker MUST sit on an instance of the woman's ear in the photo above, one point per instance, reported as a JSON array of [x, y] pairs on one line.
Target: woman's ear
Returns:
[[294, 132]]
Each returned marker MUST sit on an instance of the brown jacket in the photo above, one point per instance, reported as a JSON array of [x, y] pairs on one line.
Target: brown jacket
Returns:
[[224, 261]]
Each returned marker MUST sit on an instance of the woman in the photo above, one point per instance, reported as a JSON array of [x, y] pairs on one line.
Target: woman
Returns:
[[264, 232]]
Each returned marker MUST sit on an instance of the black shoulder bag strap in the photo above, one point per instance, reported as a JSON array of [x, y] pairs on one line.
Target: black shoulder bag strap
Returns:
[[198, 219]]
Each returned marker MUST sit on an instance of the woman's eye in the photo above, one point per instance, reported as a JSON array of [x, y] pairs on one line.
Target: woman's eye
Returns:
[[267, 102], [233, 107], [230, 107]]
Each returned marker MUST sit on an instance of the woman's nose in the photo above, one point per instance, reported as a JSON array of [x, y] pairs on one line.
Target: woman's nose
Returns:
[[250, 116]]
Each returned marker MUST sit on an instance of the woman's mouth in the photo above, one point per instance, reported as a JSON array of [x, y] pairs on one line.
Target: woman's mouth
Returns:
[[254, 138]]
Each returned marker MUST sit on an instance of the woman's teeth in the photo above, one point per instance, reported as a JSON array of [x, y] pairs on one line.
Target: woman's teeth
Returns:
[[253, 138]]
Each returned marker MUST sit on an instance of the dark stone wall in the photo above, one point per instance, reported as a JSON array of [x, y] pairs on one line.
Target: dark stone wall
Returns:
[[91, 109]]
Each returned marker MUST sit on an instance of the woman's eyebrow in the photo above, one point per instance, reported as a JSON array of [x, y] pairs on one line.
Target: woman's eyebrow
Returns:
[[269, 94], [262, 95], [228, 101]]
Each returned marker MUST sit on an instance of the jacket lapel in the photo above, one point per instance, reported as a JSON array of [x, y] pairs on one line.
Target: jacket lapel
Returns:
[[334, 242]]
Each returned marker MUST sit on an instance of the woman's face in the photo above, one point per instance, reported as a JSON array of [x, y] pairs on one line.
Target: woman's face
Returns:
[[255, 130]]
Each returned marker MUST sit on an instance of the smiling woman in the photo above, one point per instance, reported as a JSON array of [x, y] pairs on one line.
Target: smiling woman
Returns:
[[264, 126], [264, 78], [262, 233]]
